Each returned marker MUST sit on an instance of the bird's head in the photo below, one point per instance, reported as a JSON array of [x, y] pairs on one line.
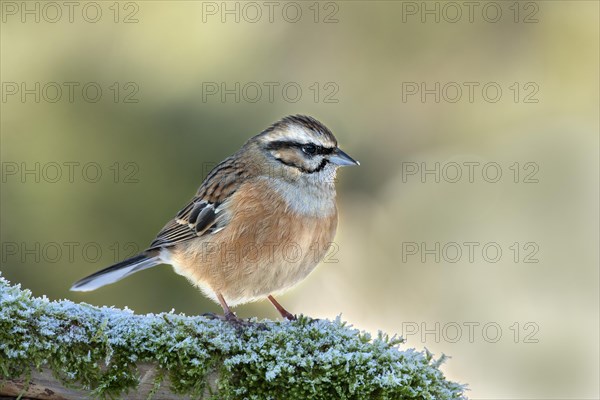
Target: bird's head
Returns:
[[299, 146]]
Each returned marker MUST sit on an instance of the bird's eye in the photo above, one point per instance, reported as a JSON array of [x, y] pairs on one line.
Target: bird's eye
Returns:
[[309, 149]]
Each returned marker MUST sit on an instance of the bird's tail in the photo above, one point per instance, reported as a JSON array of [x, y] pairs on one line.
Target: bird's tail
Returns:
[[117, 272]]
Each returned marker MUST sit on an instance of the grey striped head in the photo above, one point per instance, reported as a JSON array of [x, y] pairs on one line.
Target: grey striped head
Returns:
[[302, 143]]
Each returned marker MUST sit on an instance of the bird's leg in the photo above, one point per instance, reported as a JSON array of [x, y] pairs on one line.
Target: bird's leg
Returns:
[[232, 318], [229, 315], [284, 313]]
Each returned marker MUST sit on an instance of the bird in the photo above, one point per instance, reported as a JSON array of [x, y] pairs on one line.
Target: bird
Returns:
[[259, 223]]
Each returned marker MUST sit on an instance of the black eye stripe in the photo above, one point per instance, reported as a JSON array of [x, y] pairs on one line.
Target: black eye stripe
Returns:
[[280, 144], [307, 171]]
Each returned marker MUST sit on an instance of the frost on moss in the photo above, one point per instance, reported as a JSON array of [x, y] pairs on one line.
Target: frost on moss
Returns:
[[97, 349]]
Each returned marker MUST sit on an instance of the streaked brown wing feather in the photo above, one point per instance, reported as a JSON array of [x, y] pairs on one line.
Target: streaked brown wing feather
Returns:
[[201, 216], [197, 217]]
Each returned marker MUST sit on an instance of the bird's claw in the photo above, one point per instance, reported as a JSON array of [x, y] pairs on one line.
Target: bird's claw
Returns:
[[233, 319]]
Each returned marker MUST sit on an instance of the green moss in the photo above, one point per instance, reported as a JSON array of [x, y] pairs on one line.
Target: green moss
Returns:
[[98, 349]]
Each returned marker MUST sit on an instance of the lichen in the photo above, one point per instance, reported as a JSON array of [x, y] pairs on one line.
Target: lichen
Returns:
[[98, 348]]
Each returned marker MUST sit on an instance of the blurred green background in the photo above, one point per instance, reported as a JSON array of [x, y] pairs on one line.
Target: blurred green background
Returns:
[[520, 324]]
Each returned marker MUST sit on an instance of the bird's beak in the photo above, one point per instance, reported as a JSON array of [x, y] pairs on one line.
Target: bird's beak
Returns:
[[341, 159]]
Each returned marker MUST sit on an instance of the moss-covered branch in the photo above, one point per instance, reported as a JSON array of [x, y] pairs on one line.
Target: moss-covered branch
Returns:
[[105, 352]]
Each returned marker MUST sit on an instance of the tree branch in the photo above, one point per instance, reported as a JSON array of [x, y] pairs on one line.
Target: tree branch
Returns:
[[63, 350]]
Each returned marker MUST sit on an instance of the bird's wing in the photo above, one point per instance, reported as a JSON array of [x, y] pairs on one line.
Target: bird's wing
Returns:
[[207, 212], [196, 219]]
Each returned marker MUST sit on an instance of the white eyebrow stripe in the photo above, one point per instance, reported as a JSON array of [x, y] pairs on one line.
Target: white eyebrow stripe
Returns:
[[297, 134], [290, 134]]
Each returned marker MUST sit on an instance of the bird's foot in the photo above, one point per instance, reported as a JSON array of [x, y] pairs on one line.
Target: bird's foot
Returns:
[[289, 316], [231, 318], [307, 319]]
